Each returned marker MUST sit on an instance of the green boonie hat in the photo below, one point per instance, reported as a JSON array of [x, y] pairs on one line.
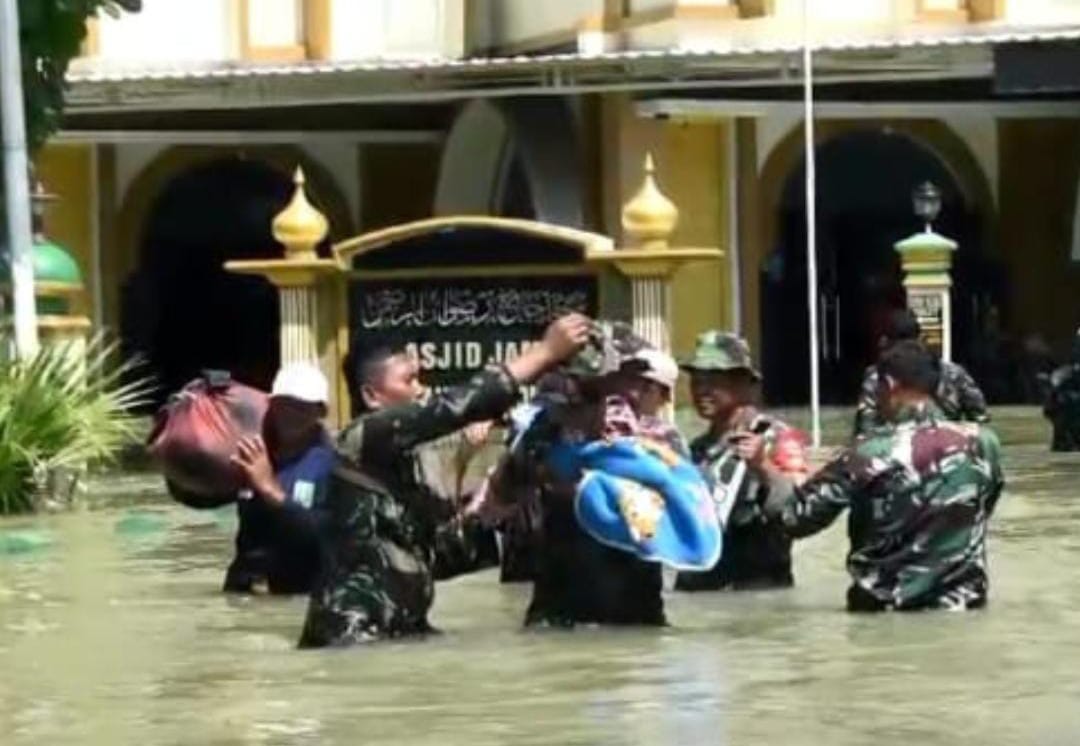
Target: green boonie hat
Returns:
[[717, 350], [611, 345]]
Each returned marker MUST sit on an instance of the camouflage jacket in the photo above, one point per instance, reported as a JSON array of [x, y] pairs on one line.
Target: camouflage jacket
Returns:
[[384, 524], [757, 550], [958, 397], [920, 493], [1063, 407]]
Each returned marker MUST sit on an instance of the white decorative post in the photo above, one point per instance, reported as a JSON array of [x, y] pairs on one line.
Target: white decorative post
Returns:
[[304, 285], [649, 261], [299, 312], [927, 261], [648, 220], [651, 303], [300, 228]]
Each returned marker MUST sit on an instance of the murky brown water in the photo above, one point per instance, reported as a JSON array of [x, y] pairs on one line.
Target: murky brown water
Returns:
[[115, 633]]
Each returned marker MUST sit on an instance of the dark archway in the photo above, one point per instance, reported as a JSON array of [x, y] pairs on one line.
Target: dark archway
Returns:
[[518, 157], [864, 184], [516, 199], [180, 309]]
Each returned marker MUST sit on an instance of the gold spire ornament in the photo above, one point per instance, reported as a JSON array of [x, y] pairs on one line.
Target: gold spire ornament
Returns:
[[300, 227], [649, 218]]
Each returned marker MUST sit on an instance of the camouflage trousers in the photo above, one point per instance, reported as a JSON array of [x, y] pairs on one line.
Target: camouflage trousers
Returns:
[[969, 593], [383, 591]]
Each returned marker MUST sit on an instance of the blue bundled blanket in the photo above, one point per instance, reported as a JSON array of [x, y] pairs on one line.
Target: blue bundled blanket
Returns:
[[640, 496]]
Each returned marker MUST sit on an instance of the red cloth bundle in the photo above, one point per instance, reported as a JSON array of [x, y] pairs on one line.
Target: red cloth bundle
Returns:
[[196, 433], [789, 452]]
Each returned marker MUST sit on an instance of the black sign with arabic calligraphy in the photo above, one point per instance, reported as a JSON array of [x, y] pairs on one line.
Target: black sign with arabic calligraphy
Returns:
[[456, 326]]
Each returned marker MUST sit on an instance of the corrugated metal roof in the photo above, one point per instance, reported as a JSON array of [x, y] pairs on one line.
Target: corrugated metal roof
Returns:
[[91, 71]]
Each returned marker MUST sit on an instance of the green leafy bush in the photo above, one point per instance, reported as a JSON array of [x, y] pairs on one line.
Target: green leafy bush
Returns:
[[66, 407]]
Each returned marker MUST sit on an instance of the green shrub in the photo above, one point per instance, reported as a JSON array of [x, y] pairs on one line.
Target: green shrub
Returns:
[[61, 410]]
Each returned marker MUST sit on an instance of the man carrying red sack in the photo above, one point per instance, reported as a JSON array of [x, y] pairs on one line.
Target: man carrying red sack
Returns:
[[286, 472]]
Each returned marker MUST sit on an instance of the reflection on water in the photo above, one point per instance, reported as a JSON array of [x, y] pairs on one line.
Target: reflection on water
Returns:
[[112, 631]]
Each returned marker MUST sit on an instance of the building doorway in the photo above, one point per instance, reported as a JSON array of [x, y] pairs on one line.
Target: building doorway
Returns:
[[180, 310], [864, 185]]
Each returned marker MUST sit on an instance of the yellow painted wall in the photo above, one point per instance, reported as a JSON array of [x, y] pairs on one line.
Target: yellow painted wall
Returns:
[[66, 171], [693, 170], [1040, 171]]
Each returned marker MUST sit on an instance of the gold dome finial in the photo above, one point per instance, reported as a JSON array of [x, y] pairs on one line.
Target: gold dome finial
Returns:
[[300, 227], [649, 218]]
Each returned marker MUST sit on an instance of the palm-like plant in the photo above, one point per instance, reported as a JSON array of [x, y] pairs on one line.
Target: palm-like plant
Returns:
[[68, 406]]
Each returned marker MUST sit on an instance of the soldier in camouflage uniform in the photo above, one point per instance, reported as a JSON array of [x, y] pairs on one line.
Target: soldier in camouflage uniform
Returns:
[[382, 520], [576, 578], [920, 491], [1063, 405], [958, 396], [757, 551]]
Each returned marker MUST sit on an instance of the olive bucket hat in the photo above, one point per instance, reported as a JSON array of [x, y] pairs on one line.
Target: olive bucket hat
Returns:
[[718, 351]]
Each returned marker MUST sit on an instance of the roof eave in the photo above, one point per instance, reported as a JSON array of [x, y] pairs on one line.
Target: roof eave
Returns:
[[238, 85]]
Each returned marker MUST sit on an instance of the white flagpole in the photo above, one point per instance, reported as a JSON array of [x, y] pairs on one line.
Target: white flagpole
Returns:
[[811, 227], [16, 186]]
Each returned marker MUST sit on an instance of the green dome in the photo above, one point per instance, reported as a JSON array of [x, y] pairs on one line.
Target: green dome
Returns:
[[52, 263]]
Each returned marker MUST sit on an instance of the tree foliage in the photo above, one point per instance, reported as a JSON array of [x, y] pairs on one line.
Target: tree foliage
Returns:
[[51, 33]]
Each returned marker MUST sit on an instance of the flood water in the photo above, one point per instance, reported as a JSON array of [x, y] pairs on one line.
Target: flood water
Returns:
[[112, 631]]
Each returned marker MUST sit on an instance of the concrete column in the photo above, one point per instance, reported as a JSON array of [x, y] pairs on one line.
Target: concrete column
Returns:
[[299, 324], [927, 261], [651, 308]]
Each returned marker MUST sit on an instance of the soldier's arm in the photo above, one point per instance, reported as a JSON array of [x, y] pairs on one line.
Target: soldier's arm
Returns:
[[382, 435], [385, 433], [805, 509], [972, 402], [990, 448], [866, 410]]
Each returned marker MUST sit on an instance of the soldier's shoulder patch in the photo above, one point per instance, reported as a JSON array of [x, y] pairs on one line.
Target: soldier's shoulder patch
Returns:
[[931, 445], [964, 429], [877, 443], [303, 494]]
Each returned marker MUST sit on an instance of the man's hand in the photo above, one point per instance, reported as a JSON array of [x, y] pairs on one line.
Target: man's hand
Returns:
[[253, 460], [563, 338], [477, 433], [485, 505], [750, 447]]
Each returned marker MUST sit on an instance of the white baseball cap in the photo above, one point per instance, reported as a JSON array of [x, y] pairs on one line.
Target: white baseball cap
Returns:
[[662, 367], [301, 381]]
